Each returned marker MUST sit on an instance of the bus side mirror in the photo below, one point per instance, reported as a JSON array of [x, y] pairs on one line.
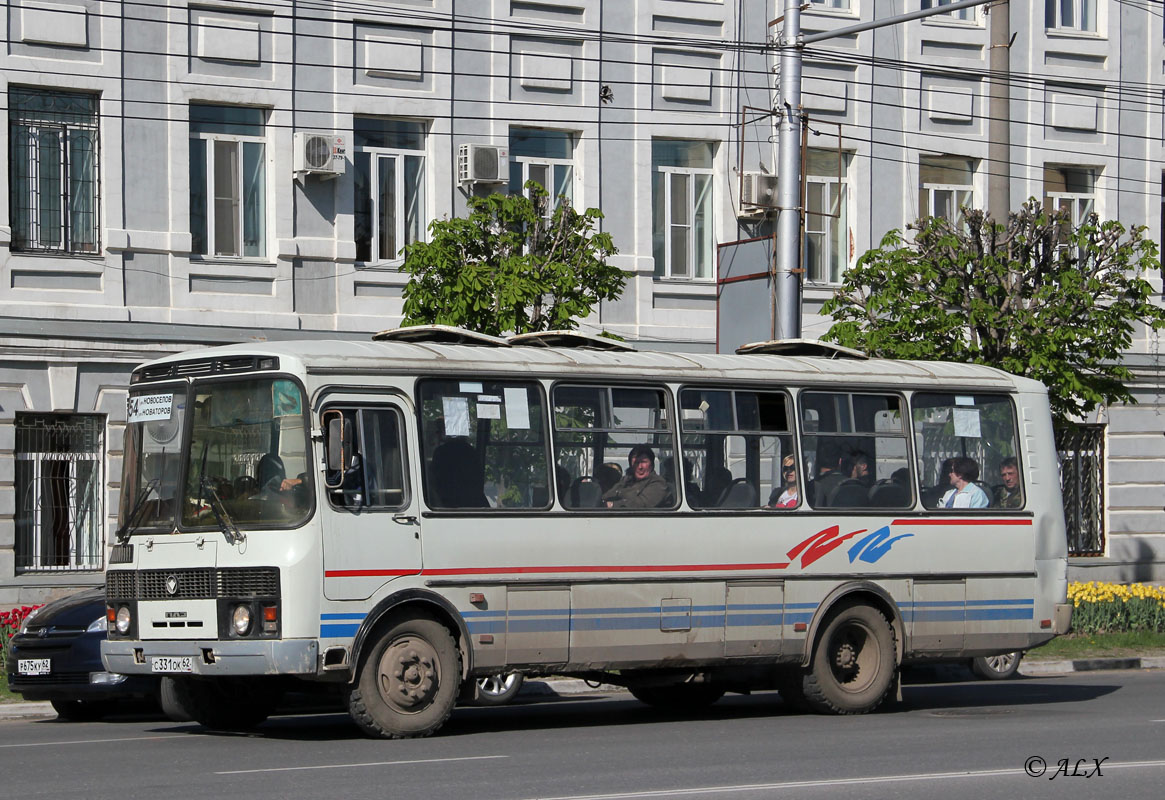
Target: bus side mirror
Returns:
[[337, 446]]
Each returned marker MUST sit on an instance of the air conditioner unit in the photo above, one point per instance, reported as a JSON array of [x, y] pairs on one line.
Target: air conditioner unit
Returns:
[[758, 193], [483, 163], [319, 154]]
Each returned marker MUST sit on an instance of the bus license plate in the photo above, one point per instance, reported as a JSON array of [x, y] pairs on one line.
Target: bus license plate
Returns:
[[168, 664], [34, 666]]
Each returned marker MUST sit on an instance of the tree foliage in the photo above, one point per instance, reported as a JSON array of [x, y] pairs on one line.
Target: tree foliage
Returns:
[[506, 267], [1035, 297]]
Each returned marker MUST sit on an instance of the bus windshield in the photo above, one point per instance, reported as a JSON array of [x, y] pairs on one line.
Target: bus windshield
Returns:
[[245, 457]]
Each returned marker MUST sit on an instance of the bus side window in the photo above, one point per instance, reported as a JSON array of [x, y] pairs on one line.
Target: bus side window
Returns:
[[374, 475], [967, 451], [484, 444], [602, 434], [737, 443], [858, 446]]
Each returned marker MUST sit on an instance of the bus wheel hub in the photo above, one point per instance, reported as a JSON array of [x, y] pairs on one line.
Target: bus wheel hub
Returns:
[[408, 675]]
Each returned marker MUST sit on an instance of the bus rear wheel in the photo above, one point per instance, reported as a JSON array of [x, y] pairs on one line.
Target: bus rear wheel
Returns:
[[854, 662], [408, 684]]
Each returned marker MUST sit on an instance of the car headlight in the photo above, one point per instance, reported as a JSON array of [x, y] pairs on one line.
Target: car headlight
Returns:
[[241, 619], [28, 619], [98, 625], [123, 620]]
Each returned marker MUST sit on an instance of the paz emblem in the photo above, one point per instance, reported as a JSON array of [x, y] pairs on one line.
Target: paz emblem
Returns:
[[171, 584]]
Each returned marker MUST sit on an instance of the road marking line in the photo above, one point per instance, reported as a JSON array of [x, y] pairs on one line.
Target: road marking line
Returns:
[[94, 741], [758, 787], [368, 764]]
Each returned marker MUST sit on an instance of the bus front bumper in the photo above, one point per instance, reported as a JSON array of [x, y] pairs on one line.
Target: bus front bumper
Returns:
[[294, 657]]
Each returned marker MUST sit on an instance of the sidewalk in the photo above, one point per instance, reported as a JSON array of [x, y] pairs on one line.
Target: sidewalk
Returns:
[[572, 687]]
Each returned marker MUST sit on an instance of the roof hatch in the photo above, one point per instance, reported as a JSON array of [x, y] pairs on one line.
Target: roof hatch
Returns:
[[438, 334], [801, 347]]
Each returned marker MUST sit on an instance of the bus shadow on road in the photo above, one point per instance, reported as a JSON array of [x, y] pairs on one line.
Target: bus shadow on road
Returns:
[[952, 699]]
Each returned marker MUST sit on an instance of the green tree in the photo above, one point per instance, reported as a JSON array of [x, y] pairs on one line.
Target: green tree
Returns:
[[506, 267], [1035, 297]]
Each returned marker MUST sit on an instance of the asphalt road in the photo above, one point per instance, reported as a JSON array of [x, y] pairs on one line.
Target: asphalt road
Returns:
[[954, 740]]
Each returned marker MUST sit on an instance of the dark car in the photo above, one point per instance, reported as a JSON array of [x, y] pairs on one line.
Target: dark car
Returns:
[[56, 656]]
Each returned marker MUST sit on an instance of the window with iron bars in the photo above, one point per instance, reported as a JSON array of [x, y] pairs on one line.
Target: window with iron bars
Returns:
[[52, 171], [1081, 451], [59, 460]]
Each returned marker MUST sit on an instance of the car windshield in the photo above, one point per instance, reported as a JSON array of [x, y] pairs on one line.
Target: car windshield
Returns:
[[242, 460]]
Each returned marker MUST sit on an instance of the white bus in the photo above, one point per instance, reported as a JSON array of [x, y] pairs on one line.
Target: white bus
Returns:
[[393, 519]]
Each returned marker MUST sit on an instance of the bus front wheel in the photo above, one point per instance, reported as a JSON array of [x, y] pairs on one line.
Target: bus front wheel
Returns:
[[408, 684], [854, 662]]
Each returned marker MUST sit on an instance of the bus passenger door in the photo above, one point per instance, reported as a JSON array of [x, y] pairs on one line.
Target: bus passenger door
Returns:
[[938, 616], [371, 520]]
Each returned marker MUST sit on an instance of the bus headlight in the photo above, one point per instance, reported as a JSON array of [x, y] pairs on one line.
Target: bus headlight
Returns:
[[123, 620], [241, 619]]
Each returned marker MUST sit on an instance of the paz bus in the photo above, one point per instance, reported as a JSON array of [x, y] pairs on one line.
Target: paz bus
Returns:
[[391, 520]]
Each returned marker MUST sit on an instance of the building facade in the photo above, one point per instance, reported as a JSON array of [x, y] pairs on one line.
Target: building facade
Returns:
[[184, 174]]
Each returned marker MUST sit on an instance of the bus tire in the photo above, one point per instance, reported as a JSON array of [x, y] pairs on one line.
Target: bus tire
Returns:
[[997, 668], [409, 682], [679, 697], [223, 704], [854, 662], [791, 686]]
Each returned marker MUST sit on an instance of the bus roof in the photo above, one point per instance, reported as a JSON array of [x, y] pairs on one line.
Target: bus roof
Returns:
[[335, 357]]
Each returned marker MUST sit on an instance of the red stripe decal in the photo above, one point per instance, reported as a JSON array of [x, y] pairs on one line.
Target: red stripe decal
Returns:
[[961, 522], [378, 573]]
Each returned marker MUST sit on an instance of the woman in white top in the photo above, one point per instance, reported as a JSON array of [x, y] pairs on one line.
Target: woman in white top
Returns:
[[966, 494]]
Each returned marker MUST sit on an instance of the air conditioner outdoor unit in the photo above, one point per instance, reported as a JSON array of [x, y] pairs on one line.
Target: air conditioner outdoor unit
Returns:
[[483, 163], [319, 154], [758, 193]]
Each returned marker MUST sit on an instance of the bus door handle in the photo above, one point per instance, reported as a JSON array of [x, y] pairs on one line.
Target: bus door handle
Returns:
[[405, 519]]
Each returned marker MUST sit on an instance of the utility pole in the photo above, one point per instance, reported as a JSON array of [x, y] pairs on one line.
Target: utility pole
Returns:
[[787, 278], [790, 42], [999, 113]]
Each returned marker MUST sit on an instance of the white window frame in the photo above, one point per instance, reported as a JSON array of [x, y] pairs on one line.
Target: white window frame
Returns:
[[838, 6], [34, 204], [958, 190], [549, 163], [960, 15], [670, 174], [209, 140], [400, 210], [1081, 204], [1055, 7], [823, 221]]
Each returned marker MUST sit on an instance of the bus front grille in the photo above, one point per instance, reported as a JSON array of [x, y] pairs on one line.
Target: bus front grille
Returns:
[[192, 584]]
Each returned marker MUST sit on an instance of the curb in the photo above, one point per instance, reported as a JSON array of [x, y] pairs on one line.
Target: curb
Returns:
[[27, 711]]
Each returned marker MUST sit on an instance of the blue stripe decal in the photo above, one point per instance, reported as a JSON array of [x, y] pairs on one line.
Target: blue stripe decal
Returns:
[[335, 631], [356, 617], [754, 620], [1002, 613]]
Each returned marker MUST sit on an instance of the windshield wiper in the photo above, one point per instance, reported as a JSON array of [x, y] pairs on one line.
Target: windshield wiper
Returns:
[[230, 531], [123, 533]]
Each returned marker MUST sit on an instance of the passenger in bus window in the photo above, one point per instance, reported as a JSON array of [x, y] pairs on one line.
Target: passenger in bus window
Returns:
[[1009, 495], [787, 497], [966, 493], [828, 475], [641, 486], [861, 469]]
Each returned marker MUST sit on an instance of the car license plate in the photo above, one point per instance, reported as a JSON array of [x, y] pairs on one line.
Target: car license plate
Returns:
[[34, 666], [169, 664]]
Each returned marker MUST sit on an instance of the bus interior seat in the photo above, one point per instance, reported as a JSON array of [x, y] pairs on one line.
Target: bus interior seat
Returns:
[[889, 494], [739, 494], [585, 492], [850, 493]]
